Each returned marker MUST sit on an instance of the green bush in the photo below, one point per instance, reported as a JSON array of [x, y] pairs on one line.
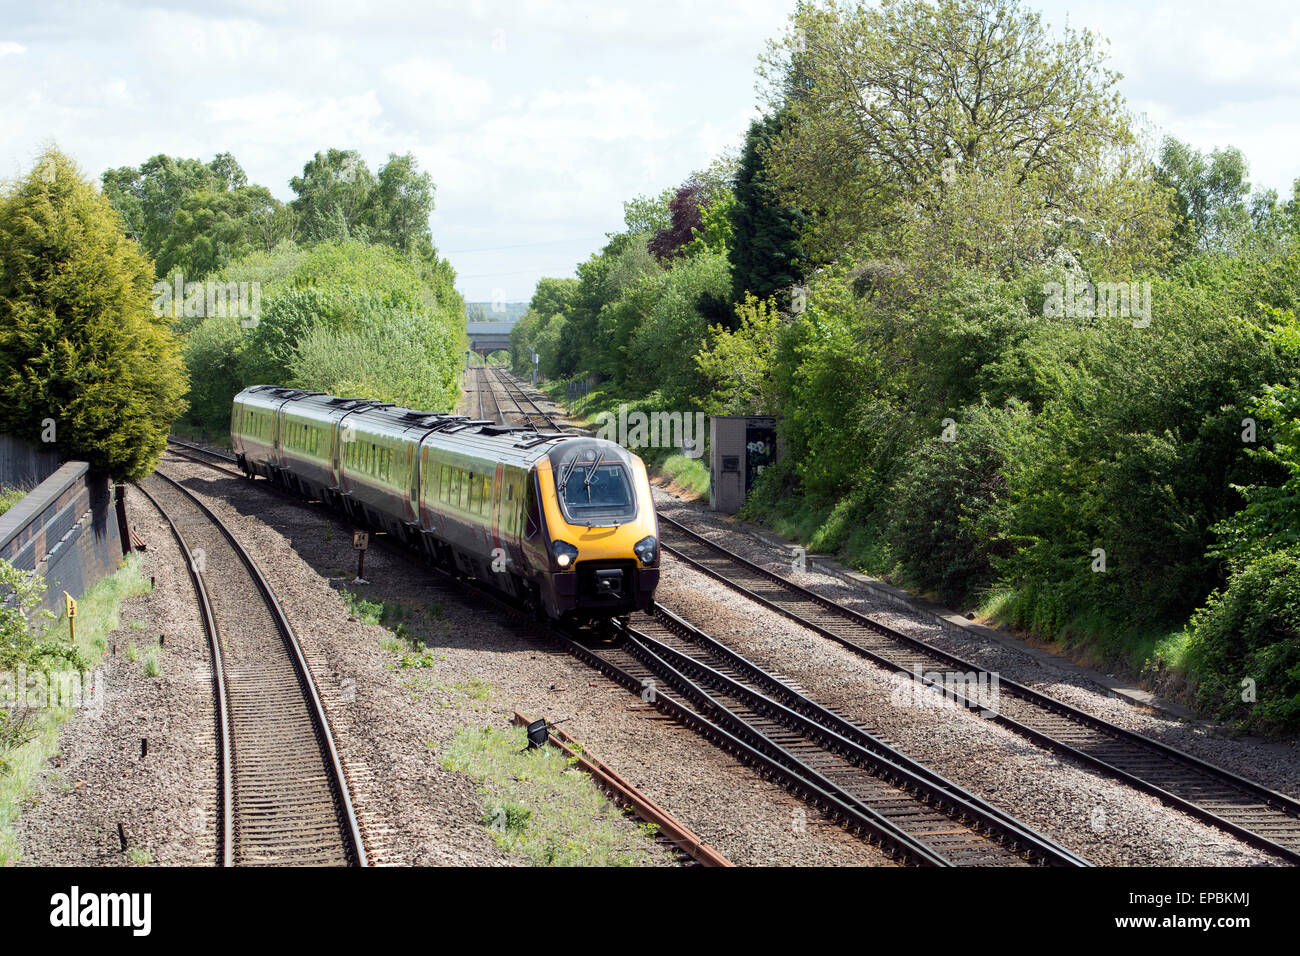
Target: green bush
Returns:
[[943, 519], [344, 317], [1250, 631], [84, 362]]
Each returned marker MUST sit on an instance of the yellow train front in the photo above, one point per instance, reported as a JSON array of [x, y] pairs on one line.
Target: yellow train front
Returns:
[[563, 522], [600, 530]]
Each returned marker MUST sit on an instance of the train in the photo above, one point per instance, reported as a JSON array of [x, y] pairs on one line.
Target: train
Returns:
[[564, 523]]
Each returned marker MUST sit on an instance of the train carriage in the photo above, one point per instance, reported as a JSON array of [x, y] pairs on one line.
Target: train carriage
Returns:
[[564, 522]]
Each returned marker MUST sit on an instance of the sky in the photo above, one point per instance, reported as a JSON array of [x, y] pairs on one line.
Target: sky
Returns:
[[537, 118]]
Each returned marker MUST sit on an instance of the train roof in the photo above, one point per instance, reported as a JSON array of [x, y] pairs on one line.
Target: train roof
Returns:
[[452, 432]]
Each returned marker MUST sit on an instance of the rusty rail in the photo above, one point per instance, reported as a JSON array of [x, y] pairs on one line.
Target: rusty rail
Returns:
[[626, 794]]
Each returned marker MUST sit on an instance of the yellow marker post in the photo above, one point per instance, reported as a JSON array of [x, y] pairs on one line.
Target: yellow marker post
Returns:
[[70, 605]]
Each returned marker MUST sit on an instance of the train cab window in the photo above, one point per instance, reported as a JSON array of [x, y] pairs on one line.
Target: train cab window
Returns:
[[598, 492]]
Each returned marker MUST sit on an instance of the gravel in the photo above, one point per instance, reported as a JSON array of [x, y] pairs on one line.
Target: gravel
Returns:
[[166, 801], [1096, 817], [391, 723]]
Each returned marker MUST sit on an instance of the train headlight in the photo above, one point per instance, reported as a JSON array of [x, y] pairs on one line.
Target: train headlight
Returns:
[[647, 549], [565, 553]]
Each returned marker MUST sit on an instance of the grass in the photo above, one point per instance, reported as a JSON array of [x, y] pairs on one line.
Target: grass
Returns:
[[387, 613], [10, 496], [97, 616], [138, 856], [538, 807], [151, 666], [691, 474], [475, 689]]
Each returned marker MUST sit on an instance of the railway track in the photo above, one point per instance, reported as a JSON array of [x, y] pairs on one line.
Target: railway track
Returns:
[[489, 407], [839, 768], [536, 419], [1257, 815], [284, 797], [670, 832]]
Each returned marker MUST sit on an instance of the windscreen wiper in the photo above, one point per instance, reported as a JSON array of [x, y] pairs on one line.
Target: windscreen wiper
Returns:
[[600, 456], [571, 464]]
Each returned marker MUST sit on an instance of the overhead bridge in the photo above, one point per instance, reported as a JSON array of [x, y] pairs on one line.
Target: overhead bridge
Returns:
[[488, 337]]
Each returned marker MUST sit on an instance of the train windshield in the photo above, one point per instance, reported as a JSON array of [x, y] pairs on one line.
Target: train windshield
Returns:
[[597, 493]]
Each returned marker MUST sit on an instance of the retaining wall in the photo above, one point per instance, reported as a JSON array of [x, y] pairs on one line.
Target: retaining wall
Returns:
[[66, 530]]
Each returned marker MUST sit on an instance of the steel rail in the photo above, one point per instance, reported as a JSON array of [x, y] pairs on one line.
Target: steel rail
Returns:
[[752, 747], [831, 732], [226, 848], [338, 778], [1271, 799], [627, 795]]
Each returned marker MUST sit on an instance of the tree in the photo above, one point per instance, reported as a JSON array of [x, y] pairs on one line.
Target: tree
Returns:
[[1209, 194], [81, 351], [896, 98], [401, 203], [194, 217], [333, 193], [687, 216], [339, 198], [764, 250], [648, 214]]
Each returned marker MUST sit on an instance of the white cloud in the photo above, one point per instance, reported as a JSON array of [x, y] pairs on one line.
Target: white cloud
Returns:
[[433, 94], [538, 118]]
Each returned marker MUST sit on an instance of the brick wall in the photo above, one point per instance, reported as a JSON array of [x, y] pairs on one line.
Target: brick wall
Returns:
[[66, 530]]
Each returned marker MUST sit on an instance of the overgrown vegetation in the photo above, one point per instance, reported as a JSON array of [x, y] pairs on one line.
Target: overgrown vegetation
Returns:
[[341, 290], [1022, 359], [10, 497], [37, 643], [85, 363], [537, 805]]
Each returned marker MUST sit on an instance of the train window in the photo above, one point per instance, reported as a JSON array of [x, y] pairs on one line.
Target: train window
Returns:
[[473, 494], [533, 517], [598, 492], [489, 486]]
